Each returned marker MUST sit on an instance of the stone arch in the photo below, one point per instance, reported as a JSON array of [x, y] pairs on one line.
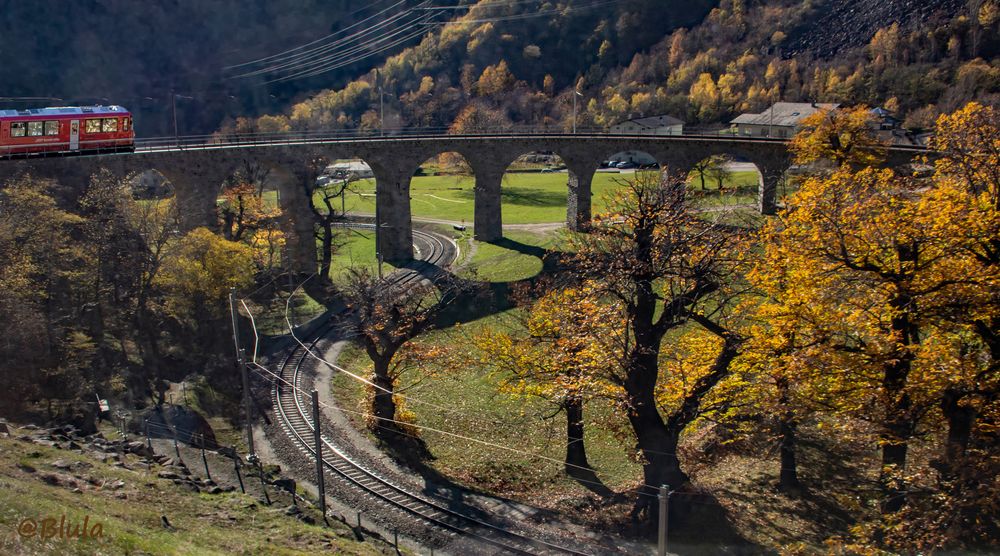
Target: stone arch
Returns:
[[449, 170], [770, 162], [197, 179], [707, 175]]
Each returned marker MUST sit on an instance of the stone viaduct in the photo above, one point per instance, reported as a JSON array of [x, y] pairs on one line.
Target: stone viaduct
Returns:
[[197, 174]]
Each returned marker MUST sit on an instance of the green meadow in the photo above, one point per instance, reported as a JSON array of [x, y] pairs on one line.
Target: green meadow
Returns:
[[528, 198]]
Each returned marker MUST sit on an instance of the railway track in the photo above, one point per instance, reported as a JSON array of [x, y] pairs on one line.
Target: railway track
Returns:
[[293, 409]]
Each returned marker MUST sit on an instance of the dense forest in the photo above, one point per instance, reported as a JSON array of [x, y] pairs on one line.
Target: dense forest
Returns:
[[497, 61]]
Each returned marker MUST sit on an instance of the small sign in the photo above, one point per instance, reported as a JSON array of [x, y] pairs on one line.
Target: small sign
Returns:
[[103, 405]]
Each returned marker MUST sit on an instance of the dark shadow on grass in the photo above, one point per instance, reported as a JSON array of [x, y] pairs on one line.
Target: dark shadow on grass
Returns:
[[524, 196]]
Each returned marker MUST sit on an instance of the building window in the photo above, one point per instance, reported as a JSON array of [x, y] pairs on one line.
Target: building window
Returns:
[[51, 127], [17, 129], [93, 126], [36, 129], [110, 125]]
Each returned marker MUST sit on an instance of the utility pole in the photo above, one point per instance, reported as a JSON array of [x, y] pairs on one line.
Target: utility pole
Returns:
[[246, 402], [664, 497], [378, 234], [173, 102], [381, 104], [242, 362], [319, 454]]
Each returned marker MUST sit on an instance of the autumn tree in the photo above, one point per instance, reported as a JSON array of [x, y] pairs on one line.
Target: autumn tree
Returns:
[[495, 80], [558, 352], [842, 136], [37, 262], [479, 118], [710, 168], [327, 215], [198, 274], [667, 267], [242, 210], [385, 316]]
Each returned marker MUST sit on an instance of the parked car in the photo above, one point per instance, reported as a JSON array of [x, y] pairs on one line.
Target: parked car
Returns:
[[625, 165]]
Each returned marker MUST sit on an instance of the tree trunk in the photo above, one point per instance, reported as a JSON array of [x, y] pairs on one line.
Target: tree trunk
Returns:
[[383, 405], [961, 419], [327, 256], [576, 451], [788, 481], [661, 467], [657, 442], [897, 429]]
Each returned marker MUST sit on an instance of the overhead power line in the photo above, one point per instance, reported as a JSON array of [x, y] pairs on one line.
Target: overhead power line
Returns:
[[396, 26], [291, 61], [281, 55]]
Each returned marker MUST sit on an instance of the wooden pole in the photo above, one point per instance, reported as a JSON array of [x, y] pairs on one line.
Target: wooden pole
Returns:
[[236, 463], [204, 460]]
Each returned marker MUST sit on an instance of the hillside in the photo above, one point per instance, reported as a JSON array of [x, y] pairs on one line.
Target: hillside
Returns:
[[497, 61], [128, 503], [834, 27], [494, 67]]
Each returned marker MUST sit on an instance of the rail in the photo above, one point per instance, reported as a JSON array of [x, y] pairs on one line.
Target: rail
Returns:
[[296, 420]]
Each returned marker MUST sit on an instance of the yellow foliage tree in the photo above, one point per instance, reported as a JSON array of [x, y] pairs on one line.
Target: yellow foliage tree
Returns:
[[198, 274], [844, 136], [562, 357]]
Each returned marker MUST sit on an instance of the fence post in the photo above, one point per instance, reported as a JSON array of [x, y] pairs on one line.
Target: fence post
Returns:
[[664, 509], [236, 463], [149, 440], [204, 460], [173, 433], [260, 471]]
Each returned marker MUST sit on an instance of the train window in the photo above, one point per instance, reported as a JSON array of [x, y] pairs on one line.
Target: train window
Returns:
[[125, 124], [110, 124], [36, 128], [17, 129], [93, 126], [52, 127]]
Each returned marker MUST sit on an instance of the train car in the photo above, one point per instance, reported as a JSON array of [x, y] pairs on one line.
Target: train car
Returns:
[[65, 129]]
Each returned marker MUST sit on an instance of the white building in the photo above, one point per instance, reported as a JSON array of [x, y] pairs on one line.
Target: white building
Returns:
[[653, 125], [782, 120], [357, 167]]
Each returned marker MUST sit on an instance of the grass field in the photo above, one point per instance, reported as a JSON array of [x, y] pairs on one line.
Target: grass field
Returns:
[[515, 257], [528, 198], [533, 439]]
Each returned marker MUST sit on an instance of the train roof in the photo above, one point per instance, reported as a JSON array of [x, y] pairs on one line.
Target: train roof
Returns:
[[113, 110]]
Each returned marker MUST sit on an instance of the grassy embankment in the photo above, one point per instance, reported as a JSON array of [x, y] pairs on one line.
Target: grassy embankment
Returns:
[[130, 512]]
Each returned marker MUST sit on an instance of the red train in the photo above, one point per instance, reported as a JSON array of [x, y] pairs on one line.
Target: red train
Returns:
[[66, 129]]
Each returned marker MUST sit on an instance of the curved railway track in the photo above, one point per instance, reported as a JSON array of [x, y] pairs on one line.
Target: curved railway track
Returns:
[[293, 409]]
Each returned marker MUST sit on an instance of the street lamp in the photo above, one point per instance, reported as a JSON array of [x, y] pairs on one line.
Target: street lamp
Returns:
[[575, 94]]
